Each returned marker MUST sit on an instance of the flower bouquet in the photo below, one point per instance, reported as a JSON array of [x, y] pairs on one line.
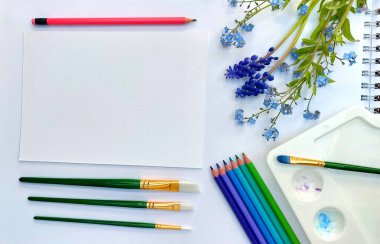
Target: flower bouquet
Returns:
[[311, 61]]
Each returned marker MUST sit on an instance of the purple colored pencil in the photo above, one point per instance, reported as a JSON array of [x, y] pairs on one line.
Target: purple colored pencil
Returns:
[[235, 195], [235, 209]]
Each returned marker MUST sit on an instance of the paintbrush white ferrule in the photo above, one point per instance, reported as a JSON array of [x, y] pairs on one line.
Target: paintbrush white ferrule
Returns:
[[306, 161]]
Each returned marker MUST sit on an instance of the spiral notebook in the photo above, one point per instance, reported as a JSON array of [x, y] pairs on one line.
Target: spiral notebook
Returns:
[[371, 60]]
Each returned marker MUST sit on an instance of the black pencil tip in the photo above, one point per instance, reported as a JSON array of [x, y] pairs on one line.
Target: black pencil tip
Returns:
[[217, 165], [211, 168], [231, 160], [225, 163], [236, 156], [194, 20]]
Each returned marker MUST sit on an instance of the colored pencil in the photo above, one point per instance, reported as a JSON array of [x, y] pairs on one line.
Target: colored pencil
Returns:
[[114, 223], [270, 199], [114, 21], [239, 215], [170, 206], [278, 233], [144, 184], [326, 164], [251, 208], [240, 203]]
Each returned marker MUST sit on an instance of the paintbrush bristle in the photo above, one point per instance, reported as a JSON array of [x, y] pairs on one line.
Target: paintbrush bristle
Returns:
[[283, 159], [186, 186]]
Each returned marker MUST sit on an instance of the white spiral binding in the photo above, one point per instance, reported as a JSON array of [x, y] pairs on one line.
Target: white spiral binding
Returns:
[[371, 75]]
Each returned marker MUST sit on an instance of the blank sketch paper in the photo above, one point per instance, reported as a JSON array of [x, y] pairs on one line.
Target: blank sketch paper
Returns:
[[114, 98]]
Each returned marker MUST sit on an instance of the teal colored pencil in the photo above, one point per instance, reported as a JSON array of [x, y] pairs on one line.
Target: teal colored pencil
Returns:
[[253, 185], [254, 199]]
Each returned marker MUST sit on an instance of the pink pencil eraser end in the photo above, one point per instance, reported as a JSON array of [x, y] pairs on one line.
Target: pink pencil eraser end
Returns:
[[33, 21]]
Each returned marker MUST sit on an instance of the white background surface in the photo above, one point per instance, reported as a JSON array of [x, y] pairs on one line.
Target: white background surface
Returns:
[[212, 220]]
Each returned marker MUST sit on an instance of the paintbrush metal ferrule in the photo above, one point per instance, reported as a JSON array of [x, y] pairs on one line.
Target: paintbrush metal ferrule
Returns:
[[160, 185], [306, 161], [170, 206], [167, 227]]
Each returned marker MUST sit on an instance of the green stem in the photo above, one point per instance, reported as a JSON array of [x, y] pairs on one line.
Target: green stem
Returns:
[[250, 14], [294, 42]]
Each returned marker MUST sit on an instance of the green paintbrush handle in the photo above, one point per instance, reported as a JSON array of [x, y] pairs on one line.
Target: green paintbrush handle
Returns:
[[350, 167], [115, 203], [113, 183], [98, 222]]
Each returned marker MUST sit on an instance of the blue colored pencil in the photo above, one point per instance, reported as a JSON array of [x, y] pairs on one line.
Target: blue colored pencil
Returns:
[[254, 199], [227, 182], [266, 205], [251, 208], [235, 209]]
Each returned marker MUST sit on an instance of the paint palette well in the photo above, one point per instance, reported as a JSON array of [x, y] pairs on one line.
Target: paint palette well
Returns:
[[334, 206]]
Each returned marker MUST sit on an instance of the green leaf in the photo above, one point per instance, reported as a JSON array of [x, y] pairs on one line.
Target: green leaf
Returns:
[[330, 80], [305, 63], [305, 50], [321, 7], [308, 78], [298, 95], [308, 42], [352, 9], [346, 30], [292, 83], [317, 31], [339, 39], [332, 6], [332, 57], [318, 67]]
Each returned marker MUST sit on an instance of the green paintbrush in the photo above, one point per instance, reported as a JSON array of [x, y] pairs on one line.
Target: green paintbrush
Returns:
[[170, 206], [143, 184], [114, 223], [319, 163]]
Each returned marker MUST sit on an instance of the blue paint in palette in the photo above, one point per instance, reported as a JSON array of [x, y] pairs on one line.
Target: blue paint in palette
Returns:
[[324, 221]]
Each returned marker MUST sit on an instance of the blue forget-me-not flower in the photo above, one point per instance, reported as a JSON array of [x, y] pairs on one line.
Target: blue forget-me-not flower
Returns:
[[239, 116], [311, 116], [271, 133], [322, 81], [303, 10], [351, 57]]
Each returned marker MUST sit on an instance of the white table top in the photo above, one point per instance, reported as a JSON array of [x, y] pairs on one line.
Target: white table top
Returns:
[[212, 220]]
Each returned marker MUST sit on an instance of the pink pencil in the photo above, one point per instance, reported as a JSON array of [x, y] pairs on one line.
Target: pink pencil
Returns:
[[114, 21]]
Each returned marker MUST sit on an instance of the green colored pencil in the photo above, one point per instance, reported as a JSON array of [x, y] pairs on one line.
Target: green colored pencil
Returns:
[[325, 164], [114, 223], [252, 185], [270, 199], [143, 184], [170, 206]]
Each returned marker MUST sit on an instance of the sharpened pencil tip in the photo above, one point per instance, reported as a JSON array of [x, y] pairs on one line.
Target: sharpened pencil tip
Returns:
[[243, 154], [236, 156], [224, 162], [194, 20], [231, 159], [217, 165], [211, 168]]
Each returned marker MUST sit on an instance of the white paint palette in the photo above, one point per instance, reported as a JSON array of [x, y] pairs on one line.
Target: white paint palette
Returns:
[[334, 206]]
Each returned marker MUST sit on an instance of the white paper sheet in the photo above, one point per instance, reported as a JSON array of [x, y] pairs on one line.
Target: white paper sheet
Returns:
[[133, 98]]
